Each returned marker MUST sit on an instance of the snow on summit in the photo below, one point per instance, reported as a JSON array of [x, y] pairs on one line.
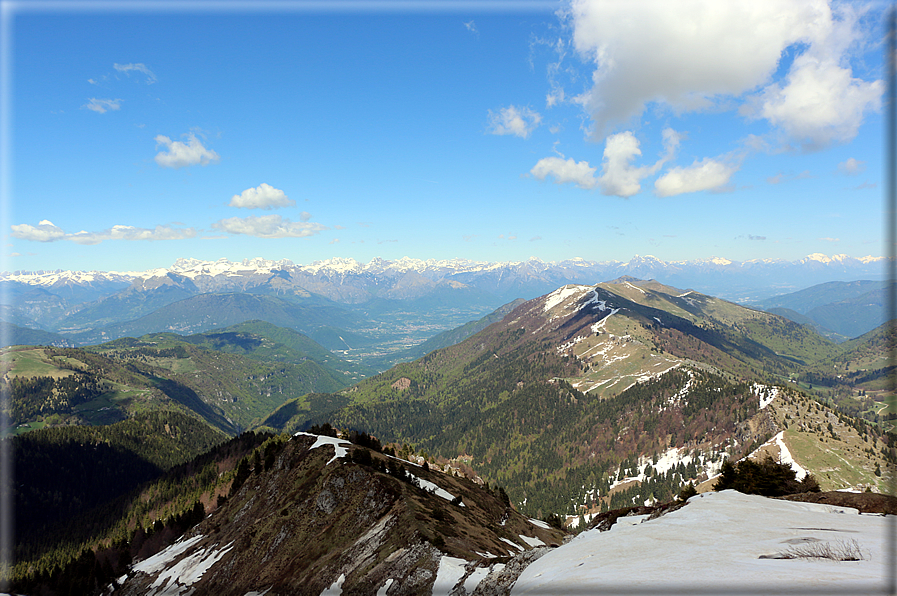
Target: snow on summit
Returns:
[[561, 295]]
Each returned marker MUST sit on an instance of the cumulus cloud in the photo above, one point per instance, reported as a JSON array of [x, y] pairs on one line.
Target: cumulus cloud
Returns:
[[138, 67], [852, 167], [513, 120], [702, 54], [472, 27], [619, 176], [707, 174], [566, 171], [46, 231], [268, 226], [264, 196], [102, 106], [821, 104], [178, 154]]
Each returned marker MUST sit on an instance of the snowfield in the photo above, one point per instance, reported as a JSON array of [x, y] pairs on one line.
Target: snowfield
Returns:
[[714, 545]]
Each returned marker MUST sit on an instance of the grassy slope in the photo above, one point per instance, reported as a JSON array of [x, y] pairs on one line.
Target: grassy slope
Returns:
[[255, 368], [844, 456]]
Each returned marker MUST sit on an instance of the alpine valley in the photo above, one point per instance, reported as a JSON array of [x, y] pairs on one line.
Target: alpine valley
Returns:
[[415, 427]]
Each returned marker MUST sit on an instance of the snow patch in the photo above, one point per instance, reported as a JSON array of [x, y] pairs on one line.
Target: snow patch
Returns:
[[450, 572], [786, 458], [435, 489], [340, 446], [533, 542], [175, 579], [336, 588], [636, 288], [474, 579], [385, 587], [517, 546], [766, 394], [539, 523], [158, 561], [561, 294]]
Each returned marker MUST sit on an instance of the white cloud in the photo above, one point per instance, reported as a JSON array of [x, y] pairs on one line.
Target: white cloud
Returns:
[[707, 174], [264, 196], [514, 121], [120, 232], [268, 226], [181, 154], [566, 171], [46, 231], [618, 174], [821, 104], [472, 27], [102, 105], [698, 54], [139, 67], [852, 166]]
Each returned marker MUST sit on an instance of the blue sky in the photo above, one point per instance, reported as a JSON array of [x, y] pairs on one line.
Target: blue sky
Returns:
[[138, 134]]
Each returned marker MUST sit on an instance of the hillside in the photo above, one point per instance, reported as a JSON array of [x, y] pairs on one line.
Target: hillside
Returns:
[[635, 368], [199, 313], [63, 472], [315, 512], [230, 378], [14, 335], [647, 372], [581, 401], [839, 309], [86, 522]]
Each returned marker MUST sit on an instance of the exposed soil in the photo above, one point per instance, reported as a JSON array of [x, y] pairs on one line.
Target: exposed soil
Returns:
[[864, 502], [604, 521]]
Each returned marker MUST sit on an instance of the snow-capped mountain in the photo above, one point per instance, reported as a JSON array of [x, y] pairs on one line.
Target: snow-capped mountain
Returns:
[[718, 276], [58, 300]]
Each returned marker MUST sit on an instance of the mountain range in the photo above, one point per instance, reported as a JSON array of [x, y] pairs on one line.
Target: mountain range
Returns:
[[378, 311], [350, 282], [838, 309], [587, 399]]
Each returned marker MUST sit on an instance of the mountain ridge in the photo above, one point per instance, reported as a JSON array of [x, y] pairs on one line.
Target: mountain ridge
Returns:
[[435, 269]]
